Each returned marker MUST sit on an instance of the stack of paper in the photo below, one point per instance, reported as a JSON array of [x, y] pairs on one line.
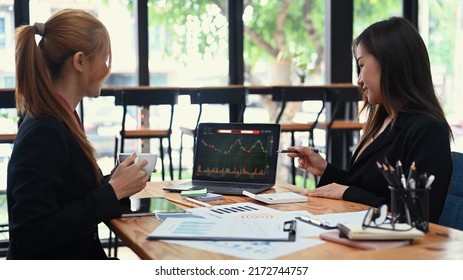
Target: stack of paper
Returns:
[[363, 244]]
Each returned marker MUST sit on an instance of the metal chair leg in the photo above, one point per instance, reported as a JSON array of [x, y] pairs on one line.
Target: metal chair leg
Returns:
[[116, 245], [169, 152], [180, 157], [116, 144], [293, 166], [110, 243], [161, 153]]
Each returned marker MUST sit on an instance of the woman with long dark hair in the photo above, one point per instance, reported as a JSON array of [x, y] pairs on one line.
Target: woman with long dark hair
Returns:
[[405, 122]]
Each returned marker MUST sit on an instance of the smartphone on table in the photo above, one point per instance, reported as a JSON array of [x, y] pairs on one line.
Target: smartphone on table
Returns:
[[148, 206]]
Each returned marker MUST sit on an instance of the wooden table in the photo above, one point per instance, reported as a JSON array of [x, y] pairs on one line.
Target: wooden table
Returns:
[[439, 243]]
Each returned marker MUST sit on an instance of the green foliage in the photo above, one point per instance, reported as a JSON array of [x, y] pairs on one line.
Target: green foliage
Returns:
[[442, 17], [180, 19], [192, 26], [442, 27], [6, 115], [367, 12], [260, 17], [128, 3]]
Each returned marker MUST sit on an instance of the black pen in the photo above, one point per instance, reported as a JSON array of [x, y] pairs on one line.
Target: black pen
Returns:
[[294, 151], [399, 169], [385, 175]]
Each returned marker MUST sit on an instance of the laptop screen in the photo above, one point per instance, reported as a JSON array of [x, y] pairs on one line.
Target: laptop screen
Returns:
[[237, 152]]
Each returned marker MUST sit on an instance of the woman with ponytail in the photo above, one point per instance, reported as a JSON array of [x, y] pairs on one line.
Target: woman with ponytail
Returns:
[[56, 192]]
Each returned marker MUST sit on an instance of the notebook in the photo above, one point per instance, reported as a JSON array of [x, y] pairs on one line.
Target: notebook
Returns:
[[355, 231], [232, 157], [280, 197], [363, 244]]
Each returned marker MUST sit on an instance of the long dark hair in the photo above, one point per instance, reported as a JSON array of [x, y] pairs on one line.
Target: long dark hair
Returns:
[[406, 81]]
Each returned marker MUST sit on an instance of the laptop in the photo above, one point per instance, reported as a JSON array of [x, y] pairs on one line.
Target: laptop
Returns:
[[232, 157]]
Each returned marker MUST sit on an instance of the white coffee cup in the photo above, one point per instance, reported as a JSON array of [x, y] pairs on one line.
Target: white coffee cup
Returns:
[[151, 158]]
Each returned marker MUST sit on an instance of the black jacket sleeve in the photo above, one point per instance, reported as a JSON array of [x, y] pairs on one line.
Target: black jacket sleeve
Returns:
[[54, 200], [413, 138]]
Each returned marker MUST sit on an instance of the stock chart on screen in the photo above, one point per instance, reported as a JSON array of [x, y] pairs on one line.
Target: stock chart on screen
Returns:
[[234, 153]]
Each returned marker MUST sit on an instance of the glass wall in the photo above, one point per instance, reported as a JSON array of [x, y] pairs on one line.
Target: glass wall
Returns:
[[367, 12], [188, 47], [441, 26], [284, 42], [8, 119], [283, 45], [188, 42], [121, 30], [7, 67]]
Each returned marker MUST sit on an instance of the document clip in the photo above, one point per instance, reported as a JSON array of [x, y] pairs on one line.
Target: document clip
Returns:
[[290, 227], [316, 222]]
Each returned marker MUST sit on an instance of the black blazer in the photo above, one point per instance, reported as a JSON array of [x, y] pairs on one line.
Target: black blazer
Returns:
[[54, 200], [413, 138]]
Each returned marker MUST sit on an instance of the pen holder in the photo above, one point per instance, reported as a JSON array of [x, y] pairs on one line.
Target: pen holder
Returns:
[[411, 206]]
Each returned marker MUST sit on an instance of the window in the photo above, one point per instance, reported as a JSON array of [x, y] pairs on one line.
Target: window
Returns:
[[367, 12], [441, 26], [188, 43], [188, 46], [284, 42], [7, 66], [2, 33], [121, 30]]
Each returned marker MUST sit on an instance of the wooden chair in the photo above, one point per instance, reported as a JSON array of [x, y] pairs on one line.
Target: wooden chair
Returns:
[[452, 215], [342, 122], [145, 97], [232, 95], [285, 94]]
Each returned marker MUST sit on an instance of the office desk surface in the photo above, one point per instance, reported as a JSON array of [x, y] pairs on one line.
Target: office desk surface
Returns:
[[439, 243]]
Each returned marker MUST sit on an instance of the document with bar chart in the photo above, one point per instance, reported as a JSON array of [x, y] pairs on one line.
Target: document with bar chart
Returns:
[[243, 210], [229, 229]]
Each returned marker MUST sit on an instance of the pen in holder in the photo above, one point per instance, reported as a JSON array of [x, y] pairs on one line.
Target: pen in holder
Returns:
[[411, 206], [409, 196]]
